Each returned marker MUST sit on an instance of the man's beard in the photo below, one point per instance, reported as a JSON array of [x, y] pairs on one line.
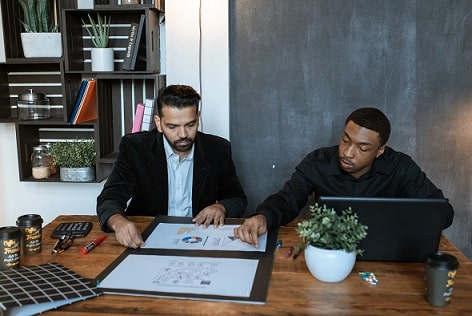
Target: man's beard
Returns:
[[187, 144]]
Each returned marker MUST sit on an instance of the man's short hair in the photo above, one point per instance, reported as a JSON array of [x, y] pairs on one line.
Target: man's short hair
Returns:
[[373, 119], [178, 96]]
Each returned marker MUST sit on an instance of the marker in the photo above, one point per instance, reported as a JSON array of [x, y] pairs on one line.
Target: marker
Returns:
[[93, 244]]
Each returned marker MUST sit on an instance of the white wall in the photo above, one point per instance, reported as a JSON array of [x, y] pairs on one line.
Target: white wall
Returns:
[[2, 41], [182, 58]]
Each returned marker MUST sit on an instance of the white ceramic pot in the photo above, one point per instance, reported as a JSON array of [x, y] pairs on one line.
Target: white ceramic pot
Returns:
[[102, 59], [329, 265], [41, 44]]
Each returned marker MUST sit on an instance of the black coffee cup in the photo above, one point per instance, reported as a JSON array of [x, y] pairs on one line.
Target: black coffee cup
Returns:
[[440, 271], [10, 237], [31, 237]]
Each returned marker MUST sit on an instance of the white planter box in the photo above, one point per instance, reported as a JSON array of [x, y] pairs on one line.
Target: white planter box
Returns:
[[41, 44]]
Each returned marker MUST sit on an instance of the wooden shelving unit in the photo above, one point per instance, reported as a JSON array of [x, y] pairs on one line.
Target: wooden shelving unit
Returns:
[[60, 79]]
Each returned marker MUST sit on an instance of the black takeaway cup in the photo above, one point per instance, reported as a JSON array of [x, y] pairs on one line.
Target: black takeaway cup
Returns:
[[440, 271], [31, 237], [9, 247]]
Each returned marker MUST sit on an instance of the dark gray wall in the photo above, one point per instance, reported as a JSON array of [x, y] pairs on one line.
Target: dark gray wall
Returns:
[[298, 68]]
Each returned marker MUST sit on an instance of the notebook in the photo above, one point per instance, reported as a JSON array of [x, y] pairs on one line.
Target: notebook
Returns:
[[399, 229], [33, 290]]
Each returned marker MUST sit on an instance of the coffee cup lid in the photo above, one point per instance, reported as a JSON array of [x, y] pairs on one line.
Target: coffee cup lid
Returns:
[[442, 260], [8, 232], [29, 219]]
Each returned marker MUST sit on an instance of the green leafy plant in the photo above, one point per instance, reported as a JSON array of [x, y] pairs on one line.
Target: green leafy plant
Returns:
[[36, 18], [328, 229], [77, 153], [99, 30]]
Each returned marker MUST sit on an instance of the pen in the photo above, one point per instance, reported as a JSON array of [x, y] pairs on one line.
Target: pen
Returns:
[[289, 252], [93, 244], [299, 250]]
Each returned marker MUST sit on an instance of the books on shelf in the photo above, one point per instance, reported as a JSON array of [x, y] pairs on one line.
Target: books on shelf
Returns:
[[79, 97], [143, 117], [148, 120], [129, 47], [138, 45], [138, 118], [85, 107]]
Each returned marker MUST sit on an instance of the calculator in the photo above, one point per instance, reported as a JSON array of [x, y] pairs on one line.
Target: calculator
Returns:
[[77, 229]]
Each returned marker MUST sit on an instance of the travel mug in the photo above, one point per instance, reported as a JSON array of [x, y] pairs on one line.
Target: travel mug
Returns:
[[9, 247], [30, 226], [440, 271]]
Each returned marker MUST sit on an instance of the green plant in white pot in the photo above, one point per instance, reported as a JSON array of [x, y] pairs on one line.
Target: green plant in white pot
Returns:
[[332, 240], [41, 37], [75, 159], [99, 32]]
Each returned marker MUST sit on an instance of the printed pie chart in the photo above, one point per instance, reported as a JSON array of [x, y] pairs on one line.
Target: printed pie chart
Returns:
[[192, 239]]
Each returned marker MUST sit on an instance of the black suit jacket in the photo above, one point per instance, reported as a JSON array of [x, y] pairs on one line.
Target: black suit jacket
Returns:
[[140, 174]]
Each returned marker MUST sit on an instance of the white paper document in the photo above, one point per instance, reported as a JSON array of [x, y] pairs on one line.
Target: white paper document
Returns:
[[176, 274], [191, 237]]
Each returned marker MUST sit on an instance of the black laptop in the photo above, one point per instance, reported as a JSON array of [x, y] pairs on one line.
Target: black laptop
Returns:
[[399, 229]]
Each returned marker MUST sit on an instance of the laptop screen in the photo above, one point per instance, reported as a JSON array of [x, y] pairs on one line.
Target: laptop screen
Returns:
[[399, 229]]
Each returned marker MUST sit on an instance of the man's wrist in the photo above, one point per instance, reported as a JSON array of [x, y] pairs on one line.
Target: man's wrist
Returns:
[[113, 220]]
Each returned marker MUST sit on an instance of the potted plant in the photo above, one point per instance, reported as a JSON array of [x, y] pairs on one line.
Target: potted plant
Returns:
[[332, 240], [99, 31], [75, 159], [41, 37]]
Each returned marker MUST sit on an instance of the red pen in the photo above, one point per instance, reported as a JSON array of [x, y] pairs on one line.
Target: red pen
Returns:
[[93, 244]]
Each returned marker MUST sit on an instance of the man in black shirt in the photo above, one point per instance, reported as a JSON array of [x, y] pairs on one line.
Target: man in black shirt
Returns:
[[361, 165]]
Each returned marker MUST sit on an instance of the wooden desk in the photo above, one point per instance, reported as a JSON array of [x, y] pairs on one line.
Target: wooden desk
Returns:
[[293, 290]]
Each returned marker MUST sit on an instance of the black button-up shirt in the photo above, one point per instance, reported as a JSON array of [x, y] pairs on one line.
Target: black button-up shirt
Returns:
[[393, 174]]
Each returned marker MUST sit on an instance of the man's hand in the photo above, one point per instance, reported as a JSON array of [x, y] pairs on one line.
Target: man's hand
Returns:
[[251, 229], [215, 213], [126, 232]]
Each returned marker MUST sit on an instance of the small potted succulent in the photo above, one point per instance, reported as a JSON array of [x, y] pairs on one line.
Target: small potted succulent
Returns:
[[75, 159], [332, 240], [99, 32], [40, 37]]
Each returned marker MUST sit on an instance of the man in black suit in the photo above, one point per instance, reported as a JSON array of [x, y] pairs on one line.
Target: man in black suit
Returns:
[[172, 170]]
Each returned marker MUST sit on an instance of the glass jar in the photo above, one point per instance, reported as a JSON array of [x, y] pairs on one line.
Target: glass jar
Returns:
[[33, 106], [40, 163], [53, 167]]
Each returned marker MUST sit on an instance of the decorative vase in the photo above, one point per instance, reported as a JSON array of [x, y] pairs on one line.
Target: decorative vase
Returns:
[[84, 174], [41, 44], [329, 265], [102, 59]]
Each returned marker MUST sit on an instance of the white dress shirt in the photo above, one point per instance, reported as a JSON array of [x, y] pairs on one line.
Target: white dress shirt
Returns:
[[180, 179]]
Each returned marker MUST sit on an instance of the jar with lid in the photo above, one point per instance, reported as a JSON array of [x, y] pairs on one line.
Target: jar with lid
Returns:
[[40, 163], [33, 106]]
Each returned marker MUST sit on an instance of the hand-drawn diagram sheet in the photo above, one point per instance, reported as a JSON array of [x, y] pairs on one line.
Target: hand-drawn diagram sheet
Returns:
[[178, 274]]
